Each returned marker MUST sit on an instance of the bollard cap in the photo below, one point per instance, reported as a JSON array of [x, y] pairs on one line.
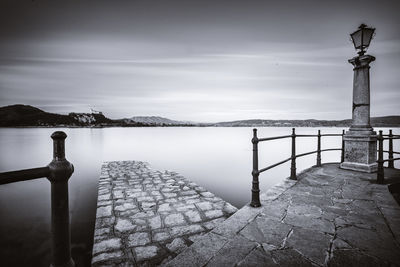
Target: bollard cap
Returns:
[[59, 135]]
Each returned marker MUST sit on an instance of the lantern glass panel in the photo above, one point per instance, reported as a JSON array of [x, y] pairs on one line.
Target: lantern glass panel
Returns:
[[357, 39], [367, 36]]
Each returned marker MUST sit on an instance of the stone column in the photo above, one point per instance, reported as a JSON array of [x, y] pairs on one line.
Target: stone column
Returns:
[[360, 139]]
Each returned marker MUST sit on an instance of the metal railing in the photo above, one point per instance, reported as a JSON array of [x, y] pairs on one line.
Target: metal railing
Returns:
[[381, 137], [58, 173], [255, 196]]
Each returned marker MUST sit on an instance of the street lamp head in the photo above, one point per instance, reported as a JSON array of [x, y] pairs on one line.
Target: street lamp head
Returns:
[[362, 37]]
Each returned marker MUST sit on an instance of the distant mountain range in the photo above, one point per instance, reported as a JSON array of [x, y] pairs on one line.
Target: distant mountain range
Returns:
[[28, 116]]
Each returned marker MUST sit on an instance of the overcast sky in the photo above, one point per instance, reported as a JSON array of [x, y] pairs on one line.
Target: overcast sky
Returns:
[[196, 60]]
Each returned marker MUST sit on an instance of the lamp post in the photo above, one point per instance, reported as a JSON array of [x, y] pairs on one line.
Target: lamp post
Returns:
[[360, 139]]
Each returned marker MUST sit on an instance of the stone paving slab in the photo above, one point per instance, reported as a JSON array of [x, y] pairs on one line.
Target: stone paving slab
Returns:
[[329, 217], [145, 216]]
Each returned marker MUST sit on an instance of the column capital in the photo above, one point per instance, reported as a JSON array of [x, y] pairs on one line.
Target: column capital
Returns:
[[361, 61]]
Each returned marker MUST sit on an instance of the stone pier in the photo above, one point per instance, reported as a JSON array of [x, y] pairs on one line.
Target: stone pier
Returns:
[[147, 217], [329, 217]]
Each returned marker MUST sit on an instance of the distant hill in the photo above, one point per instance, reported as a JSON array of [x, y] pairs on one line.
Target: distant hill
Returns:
[[28, 116], [24, 115], [158, 121], [388, 121]]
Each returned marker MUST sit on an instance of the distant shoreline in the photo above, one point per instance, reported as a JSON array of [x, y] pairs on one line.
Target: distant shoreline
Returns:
[[178, 126], [25, 116]]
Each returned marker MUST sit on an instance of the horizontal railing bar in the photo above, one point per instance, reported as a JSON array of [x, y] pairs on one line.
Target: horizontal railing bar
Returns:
[[316, 135], [274, 165], [299, 155], [307, 153], [23, 175], [297, 135], [389, 159], [273, 138], [330, 149], [388, 138], [386, 151]]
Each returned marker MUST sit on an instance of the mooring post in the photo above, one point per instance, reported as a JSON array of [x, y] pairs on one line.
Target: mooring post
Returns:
[[342, 156], [255, 190], [380, 174], [60, 171], [293, 162], [319, 149], [390, 162]]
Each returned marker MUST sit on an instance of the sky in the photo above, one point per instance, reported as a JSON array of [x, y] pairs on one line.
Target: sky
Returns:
[[204, 61]]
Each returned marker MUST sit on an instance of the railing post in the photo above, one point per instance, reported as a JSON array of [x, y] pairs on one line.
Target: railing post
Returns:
[[319, 149], [255, 190], [390, 162], [342, 156], [380, 174], [293, 163], [60, 171]]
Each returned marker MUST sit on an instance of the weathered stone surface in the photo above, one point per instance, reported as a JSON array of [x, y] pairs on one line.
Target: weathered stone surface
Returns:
[[329, 217], [104, 211], [194, 216], [232, 252], [107, 256], [143, 253], [354, 258], [290, 257], [107, 245], [124, 225], [155, 222], [184, 230], [204, 205], [174, 219], [257, 257], [146, 217], [177, 245], [311, 244]]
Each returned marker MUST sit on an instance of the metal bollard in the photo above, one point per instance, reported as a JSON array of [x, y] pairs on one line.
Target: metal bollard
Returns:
[[255, 190], [293, 162], [390, 162], [380, 175], [60, 171], [319, 149], [342, 156]]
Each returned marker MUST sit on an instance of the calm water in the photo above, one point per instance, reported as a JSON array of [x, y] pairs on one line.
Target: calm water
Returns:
[[218, 159]]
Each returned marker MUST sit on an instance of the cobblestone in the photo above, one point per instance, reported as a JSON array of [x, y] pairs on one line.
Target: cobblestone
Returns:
[[145, 216]]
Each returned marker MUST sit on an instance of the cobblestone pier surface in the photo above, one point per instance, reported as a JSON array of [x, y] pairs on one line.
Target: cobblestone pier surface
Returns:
[[329, 217], [146, 217]]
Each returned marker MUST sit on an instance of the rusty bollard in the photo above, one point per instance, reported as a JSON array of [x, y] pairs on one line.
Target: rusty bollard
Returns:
[[60, 172]]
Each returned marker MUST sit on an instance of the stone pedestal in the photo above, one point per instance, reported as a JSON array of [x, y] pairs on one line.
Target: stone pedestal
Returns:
[[360, 140]]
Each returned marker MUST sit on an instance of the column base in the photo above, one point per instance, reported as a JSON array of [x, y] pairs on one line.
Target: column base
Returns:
[[369, 168], [360, 151]]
